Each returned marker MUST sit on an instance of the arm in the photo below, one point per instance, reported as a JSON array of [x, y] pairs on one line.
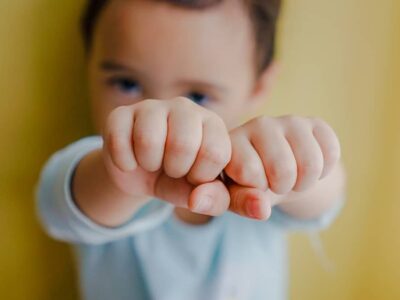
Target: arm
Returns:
[[99, 198], [58, 210], [90, 192], [169, 149]]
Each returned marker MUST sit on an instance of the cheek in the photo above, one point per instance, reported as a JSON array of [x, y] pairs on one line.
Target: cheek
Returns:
[[232, 111], [100, 107], [103, 100], [99, 114]]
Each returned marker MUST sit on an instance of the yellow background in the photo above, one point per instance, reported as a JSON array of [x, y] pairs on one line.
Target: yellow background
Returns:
[[339, 60]]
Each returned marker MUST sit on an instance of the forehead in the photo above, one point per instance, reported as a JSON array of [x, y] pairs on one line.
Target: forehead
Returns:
[[160, 36]]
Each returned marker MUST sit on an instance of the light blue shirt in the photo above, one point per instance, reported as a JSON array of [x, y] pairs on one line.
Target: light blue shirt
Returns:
[[157, 256]]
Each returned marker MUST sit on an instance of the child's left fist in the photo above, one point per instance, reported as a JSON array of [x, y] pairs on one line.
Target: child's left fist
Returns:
[[282, 153]]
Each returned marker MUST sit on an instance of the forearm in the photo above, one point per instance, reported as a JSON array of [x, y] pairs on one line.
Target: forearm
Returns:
[[313, 202], [98, 197]]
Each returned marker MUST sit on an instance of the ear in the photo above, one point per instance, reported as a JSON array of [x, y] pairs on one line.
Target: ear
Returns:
[[263, 85]]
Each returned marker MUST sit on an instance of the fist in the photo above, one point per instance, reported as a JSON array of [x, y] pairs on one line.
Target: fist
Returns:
[[282, 154], [171, 149]]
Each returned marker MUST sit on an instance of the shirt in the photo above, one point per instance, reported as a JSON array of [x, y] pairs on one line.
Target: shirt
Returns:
[[155, 255]]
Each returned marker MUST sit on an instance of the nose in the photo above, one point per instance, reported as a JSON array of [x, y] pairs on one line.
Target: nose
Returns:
[[162, 93]]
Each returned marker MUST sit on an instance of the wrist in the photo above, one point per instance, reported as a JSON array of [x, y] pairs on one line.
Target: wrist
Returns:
[[100, 197], [113, 174]]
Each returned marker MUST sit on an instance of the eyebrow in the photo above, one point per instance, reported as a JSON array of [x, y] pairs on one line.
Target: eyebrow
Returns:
[[111, 66], [203, 84]]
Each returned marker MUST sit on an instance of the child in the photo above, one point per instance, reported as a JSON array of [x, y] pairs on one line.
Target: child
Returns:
[[174, 204]]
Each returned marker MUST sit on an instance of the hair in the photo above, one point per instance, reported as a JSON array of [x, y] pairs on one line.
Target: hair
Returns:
[[263, 14]]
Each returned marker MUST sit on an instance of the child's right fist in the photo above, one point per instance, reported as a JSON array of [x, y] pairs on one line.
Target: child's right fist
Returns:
[[177, 138], [178, 135]]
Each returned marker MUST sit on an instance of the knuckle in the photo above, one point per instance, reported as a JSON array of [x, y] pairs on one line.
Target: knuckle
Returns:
[[215, 155], [115, 133], [311, 166], [112, 119], [281, 171], [235, 135], [332, 154], [185, 106], [116, 118], [115, 144], [182, 147], [149, 102], [213, 117], [251, 169], [118, 112], [146, 141], [262, 121], [292, 120], [183, 102], [148, 105], [245, 172], [323, 127]]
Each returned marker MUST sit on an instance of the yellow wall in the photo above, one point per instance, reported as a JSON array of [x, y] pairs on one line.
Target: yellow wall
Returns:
[[339, 60]]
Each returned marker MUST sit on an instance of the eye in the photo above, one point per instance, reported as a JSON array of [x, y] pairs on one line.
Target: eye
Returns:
[[126, 85], [198, 98]]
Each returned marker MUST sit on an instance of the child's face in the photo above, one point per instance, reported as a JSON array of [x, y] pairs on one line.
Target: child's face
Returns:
[[149, 49]]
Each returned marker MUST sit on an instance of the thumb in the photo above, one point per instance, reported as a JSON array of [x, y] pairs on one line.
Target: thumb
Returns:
[[249, 202], [211, 198]]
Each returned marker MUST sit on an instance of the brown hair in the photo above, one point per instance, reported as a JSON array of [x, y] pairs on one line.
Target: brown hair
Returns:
[[263, 13]]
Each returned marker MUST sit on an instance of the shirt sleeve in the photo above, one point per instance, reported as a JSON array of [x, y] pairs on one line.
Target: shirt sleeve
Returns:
[[63, 220], [290, 223]]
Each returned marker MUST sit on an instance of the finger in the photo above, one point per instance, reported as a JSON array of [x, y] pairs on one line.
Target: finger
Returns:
[[329, 144], [183, 142], [149, 135], [173, 190], [308, 157], [214, 153], [249, 202], [118, 138], [245, 166], [144, 181], [211, 198], [277, 158]]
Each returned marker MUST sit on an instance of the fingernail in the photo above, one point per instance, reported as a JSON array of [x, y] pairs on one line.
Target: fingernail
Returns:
[[252, 208], [203, 205]]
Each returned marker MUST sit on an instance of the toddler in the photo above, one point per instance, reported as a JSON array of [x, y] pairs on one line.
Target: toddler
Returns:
[[175, 198]]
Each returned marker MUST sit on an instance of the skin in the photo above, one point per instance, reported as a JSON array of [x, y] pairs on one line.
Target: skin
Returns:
[[159, 143]]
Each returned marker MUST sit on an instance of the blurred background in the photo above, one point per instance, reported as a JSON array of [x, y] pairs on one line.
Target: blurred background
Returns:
[[340, 60]]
